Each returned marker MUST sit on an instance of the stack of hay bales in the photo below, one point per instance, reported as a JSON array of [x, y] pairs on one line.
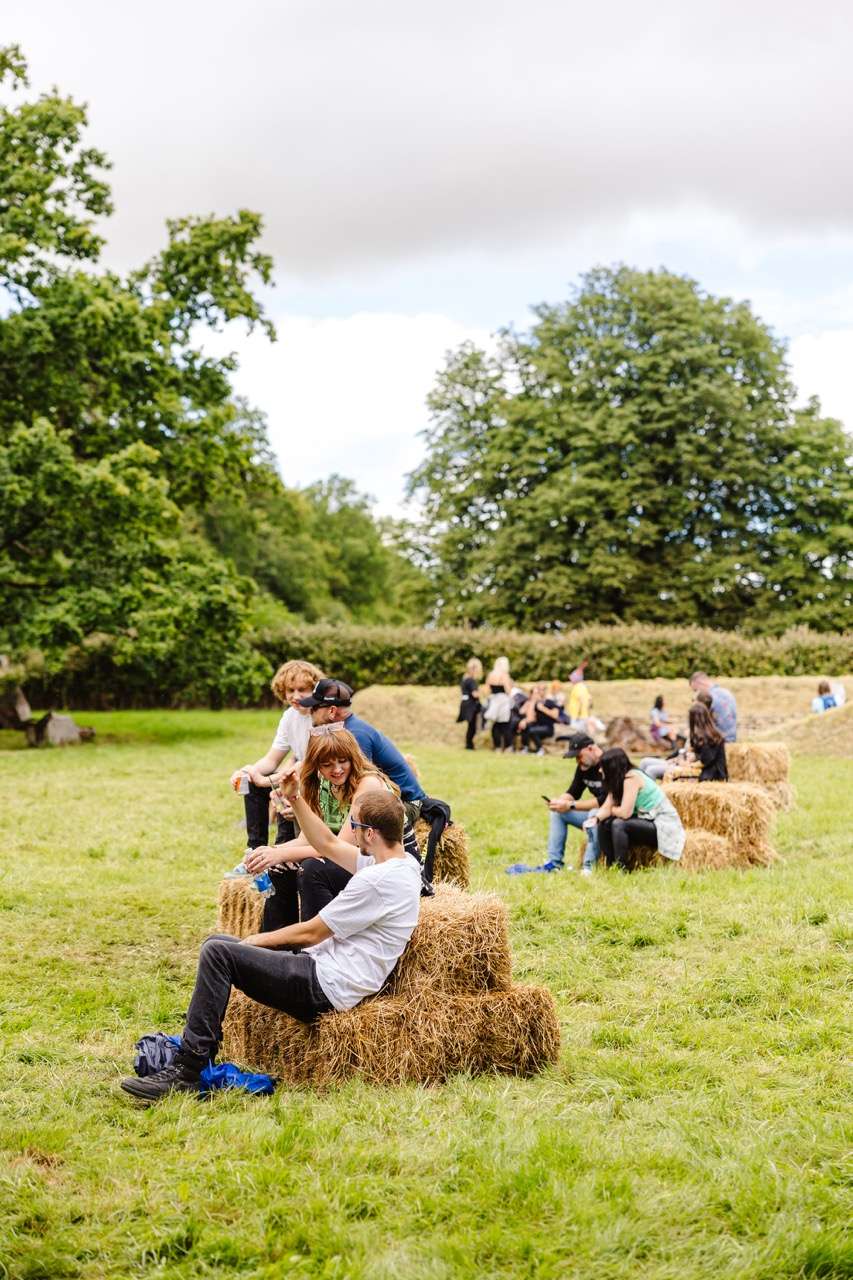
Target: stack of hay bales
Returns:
[[767, 764], [739, 814], [449, 1006], [451, 855]]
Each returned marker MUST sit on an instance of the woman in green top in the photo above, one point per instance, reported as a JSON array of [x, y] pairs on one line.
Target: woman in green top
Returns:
[[635, 812]]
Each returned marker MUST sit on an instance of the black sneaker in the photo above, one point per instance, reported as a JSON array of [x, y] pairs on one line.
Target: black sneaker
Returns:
[[176, 1078]]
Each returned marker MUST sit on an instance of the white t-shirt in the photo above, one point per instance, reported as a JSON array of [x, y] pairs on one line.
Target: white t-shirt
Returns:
[[294, 731], [371, 919]]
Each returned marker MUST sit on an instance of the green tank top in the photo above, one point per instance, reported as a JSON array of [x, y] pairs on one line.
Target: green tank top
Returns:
[[330, 807], [649, 795]]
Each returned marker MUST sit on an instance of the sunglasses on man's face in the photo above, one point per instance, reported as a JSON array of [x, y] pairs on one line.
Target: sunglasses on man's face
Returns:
[[365, 825]]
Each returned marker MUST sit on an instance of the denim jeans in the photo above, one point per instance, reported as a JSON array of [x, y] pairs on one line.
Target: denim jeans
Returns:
[[559, 829], [285, 980]]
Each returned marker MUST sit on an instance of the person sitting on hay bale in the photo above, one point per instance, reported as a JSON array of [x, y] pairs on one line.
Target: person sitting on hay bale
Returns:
[[635, 812], [332, 961], [571, 810], [663, 732], [293, 681], [332, 777]]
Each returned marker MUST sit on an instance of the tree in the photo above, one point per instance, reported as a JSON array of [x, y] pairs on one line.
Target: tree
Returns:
[[635, 457]]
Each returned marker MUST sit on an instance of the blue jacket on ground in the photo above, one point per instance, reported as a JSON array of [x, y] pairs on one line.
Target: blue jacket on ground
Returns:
[[381, 751]]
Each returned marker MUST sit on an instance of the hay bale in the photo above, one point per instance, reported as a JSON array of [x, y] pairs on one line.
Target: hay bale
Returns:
[[782, 794], [395, 1039], [451, 856], [460, 944], [240, 907], [761, 762], [703, 851], [741, 812]]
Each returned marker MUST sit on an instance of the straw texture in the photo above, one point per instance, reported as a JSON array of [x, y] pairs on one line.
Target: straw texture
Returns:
[[451, 855], [741, 812]]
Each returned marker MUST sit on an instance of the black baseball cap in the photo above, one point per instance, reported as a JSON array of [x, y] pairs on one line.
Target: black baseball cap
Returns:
[[576, 744], [328, 693]]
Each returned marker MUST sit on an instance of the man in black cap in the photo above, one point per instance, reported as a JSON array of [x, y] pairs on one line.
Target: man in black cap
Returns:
[[331, 703], [572, 810]]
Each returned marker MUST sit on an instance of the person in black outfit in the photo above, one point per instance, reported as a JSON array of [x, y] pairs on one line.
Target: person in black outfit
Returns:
[[538, 718], [707, 744], [470, 706], [572, 809]]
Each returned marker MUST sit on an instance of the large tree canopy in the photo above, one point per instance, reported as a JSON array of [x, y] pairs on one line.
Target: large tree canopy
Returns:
[[637, 456], [141, 511]]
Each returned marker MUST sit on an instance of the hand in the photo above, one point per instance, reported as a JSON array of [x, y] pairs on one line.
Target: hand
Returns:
[[287, 782], [562, 804], [237, 775], [254, 940], [259, 779], [261, 858]]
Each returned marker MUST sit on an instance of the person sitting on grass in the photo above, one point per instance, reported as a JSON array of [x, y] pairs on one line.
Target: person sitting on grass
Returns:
[[635, 812], [333, 776], [662, 731], [571, 809], [825, 700], [291, 683], [332, 961]]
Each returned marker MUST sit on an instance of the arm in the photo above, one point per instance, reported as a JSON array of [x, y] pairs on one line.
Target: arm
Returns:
[[551, 712], [259, 771], [304, 934], [606, 810], [629, 795], [315, 830]]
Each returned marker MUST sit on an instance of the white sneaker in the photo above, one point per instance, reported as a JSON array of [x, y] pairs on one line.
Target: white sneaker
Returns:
[[587, 871]]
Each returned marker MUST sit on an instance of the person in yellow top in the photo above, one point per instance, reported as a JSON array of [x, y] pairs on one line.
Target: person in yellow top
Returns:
[[579, 709]]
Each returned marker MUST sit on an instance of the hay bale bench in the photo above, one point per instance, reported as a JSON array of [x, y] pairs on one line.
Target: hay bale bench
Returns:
[[448, 1006], [766, 764], [740, 813]]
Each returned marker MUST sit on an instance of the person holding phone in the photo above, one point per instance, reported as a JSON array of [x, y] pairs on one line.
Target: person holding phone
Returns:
[[577, 807]]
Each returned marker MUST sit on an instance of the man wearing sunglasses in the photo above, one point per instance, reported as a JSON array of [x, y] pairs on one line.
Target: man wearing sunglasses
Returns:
[[332, 961]]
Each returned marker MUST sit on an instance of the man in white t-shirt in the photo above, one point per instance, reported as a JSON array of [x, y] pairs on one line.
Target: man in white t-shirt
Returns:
[[291, 683], [343, 954]]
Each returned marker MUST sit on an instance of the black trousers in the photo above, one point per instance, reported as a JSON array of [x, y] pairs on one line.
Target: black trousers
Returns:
[[617, 835], [471, 731], [257, 805], [283, 980], [312, 887], [535, 734], [502, 734]]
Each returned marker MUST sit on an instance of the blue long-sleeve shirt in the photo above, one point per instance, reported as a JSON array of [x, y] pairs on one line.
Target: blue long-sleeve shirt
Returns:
[[381, 751]]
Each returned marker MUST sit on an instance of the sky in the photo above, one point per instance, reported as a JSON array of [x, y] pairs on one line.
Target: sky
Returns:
[[427, 172]]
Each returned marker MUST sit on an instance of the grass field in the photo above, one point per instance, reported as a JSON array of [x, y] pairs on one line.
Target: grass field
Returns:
[[697, 1123]]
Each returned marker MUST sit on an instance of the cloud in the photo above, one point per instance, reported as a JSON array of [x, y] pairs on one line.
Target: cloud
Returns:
[[821, 364], [347, 394], [375, 132]]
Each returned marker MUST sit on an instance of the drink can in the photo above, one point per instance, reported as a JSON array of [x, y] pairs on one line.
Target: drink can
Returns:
[[243, 788]]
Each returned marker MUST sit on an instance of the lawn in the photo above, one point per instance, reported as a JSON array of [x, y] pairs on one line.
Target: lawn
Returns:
[[694, 1127]]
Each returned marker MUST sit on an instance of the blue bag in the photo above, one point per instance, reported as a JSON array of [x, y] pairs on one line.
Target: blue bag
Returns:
[[156, 1051]]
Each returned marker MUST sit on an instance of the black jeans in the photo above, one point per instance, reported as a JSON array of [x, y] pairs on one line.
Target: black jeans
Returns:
[[535, 734], [471, 731], [257, 804], [617, 835], [283, 980], [313, 886], [502, 734]]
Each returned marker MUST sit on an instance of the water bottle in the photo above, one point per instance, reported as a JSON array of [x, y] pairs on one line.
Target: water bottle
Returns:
[[263, 884]]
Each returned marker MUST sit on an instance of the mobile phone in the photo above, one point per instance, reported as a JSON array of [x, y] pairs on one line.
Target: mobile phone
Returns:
[[547, 799]]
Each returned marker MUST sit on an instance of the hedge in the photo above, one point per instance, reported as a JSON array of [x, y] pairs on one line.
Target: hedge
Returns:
[[396, 655], [98, 676]]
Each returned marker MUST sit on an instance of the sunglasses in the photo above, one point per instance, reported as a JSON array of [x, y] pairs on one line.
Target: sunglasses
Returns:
[[365, 825]]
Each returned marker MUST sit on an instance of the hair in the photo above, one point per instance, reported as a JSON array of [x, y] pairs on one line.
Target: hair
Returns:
[[501, 666], [293, 673], [699, 675], [702, 726], [614, 766], [705, 698], [324, 749], [659, 702], [824, 687], [384, 812], [474, 667]]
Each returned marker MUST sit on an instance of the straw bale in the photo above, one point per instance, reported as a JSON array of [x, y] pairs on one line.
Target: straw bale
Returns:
[[703, 851], [398, 1039], [762, 762], [782, 794], [460, 944], [451, 856], [740, 811], [240, 907]]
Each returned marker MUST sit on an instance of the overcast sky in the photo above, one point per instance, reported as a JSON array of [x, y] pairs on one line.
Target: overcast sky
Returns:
[[426, 172]]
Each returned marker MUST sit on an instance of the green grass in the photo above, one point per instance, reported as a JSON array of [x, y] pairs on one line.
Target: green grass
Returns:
[[694, 1127]]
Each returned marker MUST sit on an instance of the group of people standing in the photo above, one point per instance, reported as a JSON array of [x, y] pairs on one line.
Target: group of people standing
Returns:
[[519, 719]]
